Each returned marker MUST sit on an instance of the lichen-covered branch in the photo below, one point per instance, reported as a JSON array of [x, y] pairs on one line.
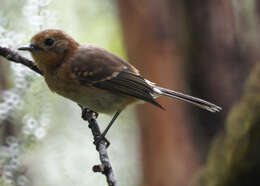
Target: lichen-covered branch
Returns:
[[105, 167], [17, 58]]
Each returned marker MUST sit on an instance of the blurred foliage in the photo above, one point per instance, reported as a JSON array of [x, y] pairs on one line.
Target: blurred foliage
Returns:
[[52, 145], [92, 22]]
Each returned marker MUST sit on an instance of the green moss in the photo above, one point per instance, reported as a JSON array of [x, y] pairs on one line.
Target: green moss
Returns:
[[234, 158]]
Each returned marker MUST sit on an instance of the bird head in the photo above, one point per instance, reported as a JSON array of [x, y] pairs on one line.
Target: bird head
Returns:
[[49, 48]]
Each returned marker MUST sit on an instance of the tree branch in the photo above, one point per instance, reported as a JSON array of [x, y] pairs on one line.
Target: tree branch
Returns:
[[87, 115], [17, 58], [105, 167]]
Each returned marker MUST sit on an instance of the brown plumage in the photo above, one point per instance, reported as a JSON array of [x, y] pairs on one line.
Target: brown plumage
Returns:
[[95, 78]]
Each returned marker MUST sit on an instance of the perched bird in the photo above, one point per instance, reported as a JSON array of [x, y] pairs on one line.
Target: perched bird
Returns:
[[95, 78]]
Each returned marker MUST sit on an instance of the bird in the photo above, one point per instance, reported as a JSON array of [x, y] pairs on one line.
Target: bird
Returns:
[[96, 78]]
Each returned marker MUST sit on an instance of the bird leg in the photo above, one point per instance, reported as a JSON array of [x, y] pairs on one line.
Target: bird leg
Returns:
[[87, 115], [110, 123], [103, 135]]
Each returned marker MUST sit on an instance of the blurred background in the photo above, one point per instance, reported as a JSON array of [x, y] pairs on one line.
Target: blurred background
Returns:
[[203, 48]]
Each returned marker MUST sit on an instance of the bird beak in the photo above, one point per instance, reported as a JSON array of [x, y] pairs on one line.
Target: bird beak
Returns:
[[26, 48], [30, 48]]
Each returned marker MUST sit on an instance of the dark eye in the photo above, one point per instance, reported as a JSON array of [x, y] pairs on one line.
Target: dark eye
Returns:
[[48, 41]]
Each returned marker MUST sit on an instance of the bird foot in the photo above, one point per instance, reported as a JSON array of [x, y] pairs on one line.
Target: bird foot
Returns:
[[87, 114], [101, 139]]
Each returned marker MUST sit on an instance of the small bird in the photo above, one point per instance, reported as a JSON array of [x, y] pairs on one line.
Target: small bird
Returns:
[[94, 77]]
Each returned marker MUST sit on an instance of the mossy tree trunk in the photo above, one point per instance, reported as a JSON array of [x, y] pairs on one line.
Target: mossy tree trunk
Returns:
[[218, 62], [234, 158]]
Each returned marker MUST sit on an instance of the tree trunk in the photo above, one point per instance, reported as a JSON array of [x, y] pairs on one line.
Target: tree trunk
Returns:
[[167, 151], [217, 63]]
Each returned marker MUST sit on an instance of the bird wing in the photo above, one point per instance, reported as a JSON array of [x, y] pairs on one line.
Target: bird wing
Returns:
[[93, 66], [130, 84]]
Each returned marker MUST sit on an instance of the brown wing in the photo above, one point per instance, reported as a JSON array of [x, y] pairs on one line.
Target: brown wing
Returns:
[[92, 64], [102, 69], [130, 84]]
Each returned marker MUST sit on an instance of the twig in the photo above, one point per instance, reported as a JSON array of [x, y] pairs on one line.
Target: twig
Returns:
[[105, 167], [17, 58]]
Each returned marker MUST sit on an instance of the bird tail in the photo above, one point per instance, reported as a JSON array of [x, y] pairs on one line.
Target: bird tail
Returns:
[[183, 97]]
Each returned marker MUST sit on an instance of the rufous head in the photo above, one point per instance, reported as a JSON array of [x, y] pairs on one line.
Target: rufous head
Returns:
[[51, 47]]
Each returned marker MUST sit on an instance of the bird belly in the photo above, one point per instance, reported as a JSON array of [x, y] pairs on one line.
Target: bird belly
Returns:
[[97, 100], [101, 100]]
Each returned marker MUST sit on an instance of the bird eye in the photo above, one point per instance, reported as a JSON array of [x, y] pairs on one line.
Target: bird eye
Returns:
[[48, 41]]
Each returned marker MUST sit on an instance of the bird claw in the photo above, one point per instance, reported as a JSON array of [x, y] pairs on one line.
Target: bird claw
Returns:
[[87, 114], [101, 139]]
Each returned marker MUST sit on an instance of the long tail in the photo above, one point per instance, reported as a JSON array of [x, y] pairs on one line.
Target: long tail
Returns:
[[183, 97]]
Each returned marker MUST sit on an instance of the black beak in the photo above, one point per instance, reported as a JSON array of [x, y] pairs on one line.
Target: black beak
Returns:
[[30, 48]]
